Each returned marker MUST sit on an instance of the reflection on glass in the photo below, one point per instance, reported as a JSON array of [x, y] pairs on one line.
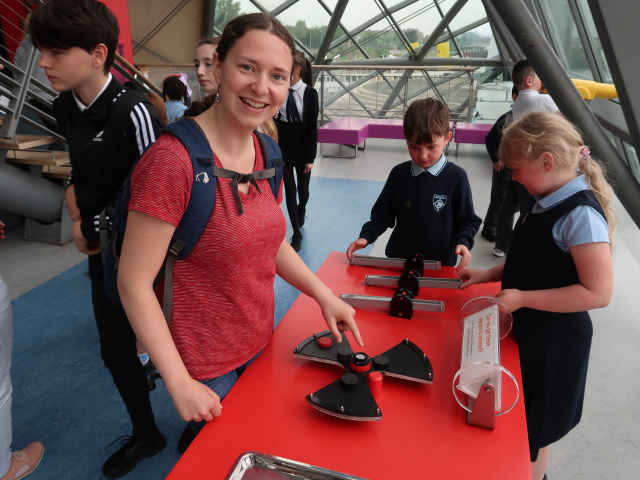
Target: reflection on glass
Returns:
[[472, 12], [594, 39], [568, 45], [632, 160], [227, 10]]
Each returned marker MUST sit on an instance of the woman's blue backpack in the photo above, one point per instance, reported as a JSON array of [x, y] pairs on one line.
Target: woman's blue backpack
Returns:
[[113, 220]]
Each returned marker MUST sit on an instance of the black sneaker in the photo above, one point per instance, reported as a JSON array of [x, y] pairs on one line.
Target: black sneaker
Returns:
[[296, 241], [132, 451], [188, 436]]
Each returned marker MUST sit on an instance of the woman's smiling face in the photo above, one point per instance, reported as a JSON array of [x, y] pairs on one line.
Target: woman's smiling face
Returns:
[[254, 77]]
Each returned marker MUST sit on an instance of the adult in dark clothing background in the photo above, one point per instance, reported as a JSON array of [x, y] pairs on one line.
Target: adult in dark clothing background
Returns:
[[297, 123], [500, 176]]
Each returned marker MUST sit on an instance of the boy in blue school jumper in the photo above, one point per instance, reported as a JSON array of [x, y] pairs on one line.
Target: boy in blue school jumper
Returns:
[[427, 200]]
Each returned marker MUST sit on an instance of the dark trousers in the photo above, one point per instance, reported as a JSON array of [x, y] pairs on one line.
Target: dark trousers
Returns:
[[296, 196], [499, 183], [118, 351], [516, 198]]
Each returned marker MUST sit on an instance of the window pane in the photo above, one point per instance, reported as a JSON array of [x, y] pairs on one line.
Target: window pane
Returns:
[[596, 46], [307, 21], [632, 160], [472, 12], [227, 10], [565, 35]]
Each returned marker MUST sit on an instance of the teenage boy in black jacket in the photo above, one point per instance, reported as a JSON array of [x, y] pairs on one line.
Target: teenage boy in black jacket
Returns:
[[107, 127], [427, 200]]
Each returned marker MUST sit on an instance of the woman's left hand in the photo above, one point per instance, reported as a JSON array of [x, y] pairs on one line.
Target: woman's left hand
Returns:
[[339, 316]]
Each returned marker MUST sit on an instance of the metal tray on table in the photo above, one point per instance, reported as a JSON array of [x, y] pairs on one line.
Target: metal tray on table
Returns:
[[262, 466]]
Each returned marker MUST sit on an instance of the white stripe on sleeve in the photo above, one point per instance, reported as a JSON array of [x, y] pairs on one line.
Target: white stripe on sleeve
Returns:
[[143, 125]]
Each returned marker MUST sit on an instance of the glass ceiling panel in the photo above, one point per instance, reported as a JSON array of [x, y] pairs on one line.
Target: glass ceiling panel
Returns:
[[420, 16], [331, 4], [379, 41], [229, 9], [393, 3], [416, 21], [478, 42], [271, 4], [472, 12], [308, 11], [596, 46], [307, 21], [358, 12], [565, 35]]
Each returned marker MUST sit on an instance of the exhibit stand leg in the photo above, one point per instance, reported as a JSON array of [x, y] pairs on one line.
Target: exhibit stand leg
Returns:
[[485, 321], [57, 232], [482, 413]]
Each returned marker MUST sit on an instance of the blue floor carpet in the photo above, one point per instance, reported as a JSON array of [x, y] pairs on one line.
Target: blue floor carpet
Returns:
[[63, 395]]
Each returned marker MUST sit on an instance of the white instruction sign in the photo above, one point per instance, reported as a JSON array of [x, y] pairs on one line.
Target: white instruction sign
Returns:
[[481, 353]]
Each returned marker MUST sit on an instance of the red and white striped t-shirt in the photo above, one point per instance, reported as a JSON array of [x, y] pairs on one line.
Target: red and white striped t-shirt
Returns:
[[223, 301]]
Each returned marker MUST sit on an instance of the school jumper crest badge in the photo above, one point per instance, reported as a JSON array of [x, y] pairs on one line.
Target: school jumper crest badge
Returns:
[[439, 201]]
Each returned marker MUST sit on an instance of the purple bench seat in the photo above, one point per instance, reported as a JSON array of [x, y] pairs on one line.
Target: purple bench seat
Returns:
[[355, 130], [471, 133]]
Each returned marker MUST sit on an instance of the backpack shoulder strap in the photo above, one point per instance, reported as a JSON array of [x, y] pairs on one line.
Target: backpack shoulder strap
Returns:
[[273, 155], [201, 201], [203, 190]]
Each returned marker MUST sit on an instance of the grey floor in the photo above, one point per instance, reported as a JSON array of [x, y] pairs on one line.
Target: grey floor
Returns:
[[606, 445]]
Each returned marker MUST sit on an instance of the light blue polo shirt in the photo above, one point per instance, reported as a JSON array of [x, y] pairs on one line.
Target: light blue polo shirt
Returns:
[[583, 224], [434, 169]]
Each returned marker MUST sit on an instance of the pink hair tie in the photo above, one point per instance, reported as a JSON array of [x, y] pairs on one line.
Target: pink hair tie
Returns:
[[584, 152]]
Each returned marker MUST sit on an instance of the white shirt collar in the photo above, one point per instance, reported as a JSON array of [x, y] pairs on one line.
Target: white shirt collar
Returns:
[[297, 85], [434, 169], [81, 105]]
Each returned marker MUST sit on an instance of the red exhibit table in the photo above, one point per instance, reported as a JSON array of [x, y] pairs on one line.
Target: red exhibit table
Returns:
[[423, 431]]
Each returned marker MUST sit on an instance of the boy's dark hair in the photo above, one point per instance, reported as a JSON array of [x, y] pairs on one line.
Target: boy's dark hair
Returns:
[[425, 119], [522, 70], [237, 27], [64, 24], [173, 88]]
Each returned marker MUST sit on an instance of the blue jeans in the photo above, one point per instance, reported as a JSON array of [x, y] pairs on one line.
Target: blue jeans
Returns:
[[6, 344], [222, 385]]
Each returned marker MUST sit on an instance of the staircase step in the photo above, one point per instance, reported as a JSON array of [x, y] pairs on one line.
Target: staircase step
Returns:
[[38, 157], [57, 171], [21, 141]]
